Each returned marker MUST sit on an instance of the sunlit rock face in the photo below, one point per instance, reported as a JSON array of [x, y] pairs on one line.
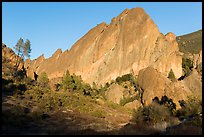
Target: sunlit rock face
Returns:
[[154, 84], [11, 57], [129, 43]]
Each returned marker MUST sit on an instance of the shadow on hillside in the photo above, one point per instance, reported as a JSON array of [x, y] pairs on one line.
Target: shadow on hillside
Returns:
[[18, 121], [9, 88]]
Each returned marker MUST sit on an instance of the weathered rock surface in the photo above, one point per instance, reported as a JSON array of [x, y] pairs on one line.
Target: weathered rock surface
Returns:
[[133, 105], [196, 58], [29, 65], [194, 83], [153, 84], [9, 56], [130, 42], [115, 93]]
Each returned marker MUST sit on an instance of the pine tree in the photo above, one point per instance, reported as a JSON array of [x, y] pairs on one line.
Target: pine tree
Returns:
[[23, 50], [171, 76], [19, 49], [27, 49], [43, 79]]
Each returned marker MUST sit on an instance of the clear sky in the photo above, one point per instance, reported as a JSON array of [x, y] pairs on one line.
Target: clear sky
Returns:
[[53, 25]]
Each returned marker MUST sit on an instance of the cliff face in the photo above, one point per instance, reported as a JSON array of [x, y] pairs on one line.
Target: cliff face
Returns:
[[9, 56], [129, 43]]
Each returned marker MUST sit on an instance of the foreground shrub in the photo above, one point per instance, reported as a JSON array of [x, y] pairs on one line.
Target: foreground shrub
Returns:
[[99, 113], [190, 108], [151, 114]]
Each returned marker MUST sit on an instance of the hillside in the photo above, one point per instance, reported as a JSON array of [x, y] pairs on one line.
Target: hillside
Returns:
[[190, 43]]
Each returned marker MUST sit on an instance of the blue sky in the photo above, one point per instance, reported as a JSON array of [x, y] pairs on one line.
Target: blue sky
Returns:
[[53, 25]]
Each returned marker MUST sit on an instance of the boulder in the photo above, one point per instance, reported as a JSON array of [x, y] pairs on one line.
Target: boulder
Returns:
[[154, 84], [194, 83], [115, 93], [133, 105]]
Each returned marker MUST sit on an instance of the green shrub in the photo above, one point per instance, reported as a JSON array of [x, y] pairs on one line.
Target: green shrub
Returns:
[[75, 83], [171, 76], [191, 107], [187, 65], [99, 113], [126, 100], [126, 77], [43, 79], [112, 105]]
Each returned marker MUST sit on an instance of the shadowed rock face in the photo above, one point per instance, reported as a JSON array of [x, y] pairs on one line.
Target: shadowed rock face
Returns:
[[130, 42]]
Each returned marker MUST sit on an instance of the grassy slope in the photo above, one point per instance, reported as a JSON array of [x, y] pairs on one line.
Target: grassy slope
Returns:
[[191, 42]]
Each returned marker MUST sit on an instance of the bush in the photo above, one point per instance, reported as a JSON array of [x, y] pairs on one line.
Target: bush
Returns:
[[126, 77], [36, 93], [43, 79], [191, 107], [167, 102], [126, 100], [187, 65], [152, 114], [74, 83], [171, 76], [99, 113]]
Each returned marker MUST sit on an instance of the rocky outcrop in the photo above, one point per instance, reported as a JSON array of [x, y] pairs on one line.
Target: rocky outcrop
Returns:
[[9, 56], [33, 66], [115, 93], [133, 105], [194, 83], [195, 58], [131, 42], [154, 84]]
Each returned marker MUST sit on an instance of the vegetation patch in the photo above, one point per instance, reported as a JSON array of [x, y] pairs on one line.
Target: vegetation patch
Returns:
[[171, 76], [126, 100]]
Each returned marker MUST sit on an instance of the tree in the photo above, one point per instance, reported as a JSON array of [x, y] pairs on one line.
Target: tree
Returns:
[[43, 79], [22, 49], [171, 76], [27, 48], [66, 81], [187, 65], [19, 49]]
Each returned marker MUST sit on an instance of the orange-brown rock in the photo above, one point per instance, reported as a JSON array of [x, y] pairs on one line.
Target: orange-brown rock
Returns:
[[133, 105], [154, 84], [33, 66], [10, 57], [194, 83], [115, 93], [130, 42]]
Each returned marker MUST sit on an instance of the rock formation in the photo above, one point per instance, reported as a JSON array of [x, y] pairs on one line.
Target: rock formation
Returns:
[[131, 42], [116, 93], [9, 56], [154, 84]]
